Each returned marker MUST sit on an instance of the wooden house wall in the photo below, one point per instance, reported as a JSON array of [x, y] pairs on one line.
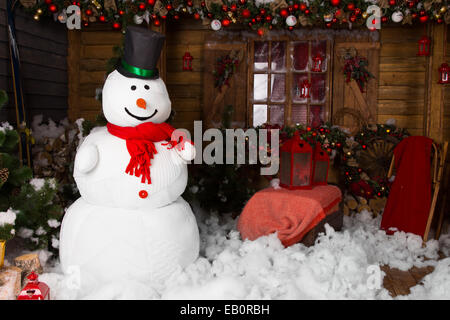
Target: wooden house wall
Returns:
[[43, 54]]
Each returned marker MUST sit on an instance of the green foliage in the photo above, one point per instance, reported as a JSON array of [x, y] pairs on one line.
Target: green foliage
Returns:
[[36, 206], [222, 188], [7, 232]]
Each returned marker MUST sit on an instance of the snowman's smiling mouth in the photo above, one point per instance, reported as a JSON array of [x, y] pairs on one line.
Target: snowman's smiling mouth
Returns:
[[140, 118]]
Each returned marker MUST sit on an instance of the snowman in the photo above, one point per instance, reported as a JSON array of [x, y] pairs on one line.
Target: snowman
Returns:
[[131, 221]]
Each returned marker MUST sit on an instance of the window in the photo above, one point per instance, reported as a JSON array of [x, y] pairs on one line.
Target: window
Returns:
[[280, 72]]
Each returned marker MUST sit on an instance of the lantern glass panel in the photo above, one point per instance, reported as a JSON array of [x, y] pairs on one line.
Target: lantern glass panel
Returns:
[[285, 168], [278, 84], [301, 169], [320, 172], [259, 114]]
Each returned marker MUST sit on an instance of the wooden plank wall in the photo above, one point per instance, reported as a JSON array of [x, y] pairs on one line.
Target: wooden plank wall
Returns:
[[185, 87], [89, 52], [43, 51], [402, 80], [446, 123]]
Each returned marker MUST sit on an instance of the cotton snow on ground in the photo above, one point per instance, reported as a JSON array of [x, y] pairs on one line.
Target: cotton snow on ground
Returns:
[[341, 265]]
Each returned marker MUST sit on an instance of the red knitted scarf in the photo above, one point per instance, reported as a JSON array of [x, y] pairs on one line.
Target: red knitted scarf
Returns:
[[140, 144]]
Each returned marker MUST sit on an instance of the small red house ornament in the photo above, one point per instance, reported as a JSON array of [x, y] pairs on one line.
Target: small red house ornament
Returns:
[[317, 63], [424, 46], [34, 289], [306, 86], [187, 61], [296, 163], [321, 165], [444, 71]]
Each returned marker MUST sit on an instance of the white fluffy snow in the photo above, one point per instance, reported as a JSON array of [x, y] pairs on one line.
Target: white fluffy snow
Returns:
[[8, 217], [341, 265]]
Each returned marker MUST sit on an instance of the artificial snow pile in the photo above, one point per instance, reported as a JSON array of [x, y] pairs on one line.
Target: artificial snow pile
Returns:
[[341, 265]]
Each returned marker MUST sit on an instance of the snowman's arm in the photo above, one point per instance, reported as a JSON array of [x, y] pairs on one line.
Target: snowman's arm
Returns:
[[86, 158], [186, 150]]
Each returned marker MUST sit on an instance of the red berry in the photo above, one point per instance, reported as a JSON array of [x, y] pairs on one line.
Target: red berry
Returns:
[[151, 2], [156, 22], [392, 2], [307, 11], [262, 12], [143, 194], [102, 18], [260, 32], [88, 12], [233, 7], [121, 12], [303, 7], [196, 16], [142, 6], [224, 8], [284, 13], [246, 13], [351, 6], [116, 25], [169, 7], [423, 19], [53, 8], [335, 2], [268, 18]]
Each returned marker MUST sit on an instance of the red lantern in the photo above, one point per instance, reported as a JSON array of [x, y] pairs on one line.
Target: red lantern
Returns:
[[321, 165], [296, 163], [317, 63], [444, 70], [424, 46], [187, 61], [306, 86], [34, 290]]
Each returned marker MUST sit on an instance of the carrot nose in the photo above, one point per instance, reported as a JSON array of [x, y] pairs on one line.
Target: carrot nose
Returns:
[[141, 103]]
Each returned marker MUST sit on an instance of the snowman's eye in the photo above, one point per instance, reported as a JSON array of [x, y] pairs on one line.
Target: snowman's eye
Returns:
[[146, 87], [133, 88]]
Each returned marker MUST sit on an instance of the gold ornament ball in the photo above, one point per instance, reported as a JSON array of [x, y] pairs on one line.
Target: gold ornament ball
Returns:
[[364, 15], [443, 9], [39, 11], [438, 16], [36, 17]]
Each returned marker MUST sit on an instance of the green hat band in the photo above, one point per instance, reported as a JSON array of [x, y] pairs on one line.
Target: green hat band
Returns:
[[138, 71]]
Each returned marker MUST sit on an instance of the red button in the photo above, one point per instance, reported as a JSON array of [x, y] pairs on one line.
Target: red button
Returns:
[[143, 194]]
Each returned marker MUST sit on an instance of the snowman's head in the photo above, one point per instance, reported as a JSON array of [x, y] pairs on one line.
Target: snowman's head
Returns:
[[128, 102]]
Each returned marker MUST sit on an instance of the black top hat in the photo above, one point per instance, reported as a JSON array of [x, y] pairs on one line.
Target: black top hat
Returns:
[[142, 49]]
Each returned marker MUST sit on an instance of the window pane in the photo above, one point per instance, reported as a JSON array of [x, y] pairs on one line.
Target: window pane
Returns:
[[318, 88], [278, 56], [260, 87], [261, 55], [296, 92], [277, 115], [299, 114], [300, 56], [278, 88], [316, 116], [259, 114], [320, 47]]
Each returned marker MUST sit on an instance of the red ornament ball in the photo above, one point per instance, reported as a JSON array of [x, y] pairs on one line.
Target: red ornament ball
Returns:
[[242, 1], [142, 6], [226, 22], [176, 17], [48, 1], [411, 4], [190, 3], [262, 12], [284, 13], [53, 8], [352, 18], [196, 16], [384, 19], [233, 7], [169, 7], [307, 11], [121, 12], [268, 18], [151, 2], [260, 32], [291, 28], [303, 6], [102, 18], [351, 6], [116, 25], [88, 12], [224, 8], [163, 17], [422, 12], [246, 13], [392, 2], [335, 2], [357, 11], [157, 22], [258, 18], [423, 19]]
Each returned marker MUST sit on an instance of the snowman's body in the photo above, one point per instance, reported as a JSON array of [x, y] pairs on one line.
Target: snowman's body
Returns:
[[122, 227]]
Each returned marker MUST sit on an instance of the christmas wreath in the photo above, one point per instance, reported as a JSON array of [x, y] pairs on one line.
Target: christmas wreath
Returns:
[[356, 68], [225, 68]]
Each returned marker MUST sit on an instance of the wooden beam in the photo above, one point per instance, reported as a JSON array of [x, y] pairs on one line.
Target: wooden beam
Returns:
[[435, 100], [73, 73]]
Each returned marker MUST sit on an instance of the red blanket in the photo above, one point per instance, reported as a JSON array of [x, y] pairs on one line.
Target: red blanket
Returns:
[[291, 213], [409, 201]]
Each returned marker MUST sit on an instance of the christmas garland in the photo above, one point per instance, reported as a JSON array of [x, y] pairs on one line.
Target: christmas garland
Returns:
[[225, 67], [355, 68], [257, 15]]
